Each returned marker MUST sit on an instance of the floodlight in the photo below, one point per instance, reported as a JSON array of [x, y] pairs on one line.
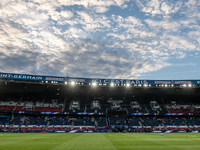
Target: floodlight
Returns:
[[190, 85], [184, 85], [145, 85], [94, 84], [112, 84], [65, 82], [127, 84], [172, 85], [72, 83], [165, 85]]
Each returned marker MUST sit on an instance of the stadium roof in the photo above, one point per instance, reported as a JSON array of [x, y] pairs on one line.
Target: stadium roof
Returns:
[[95, 81]]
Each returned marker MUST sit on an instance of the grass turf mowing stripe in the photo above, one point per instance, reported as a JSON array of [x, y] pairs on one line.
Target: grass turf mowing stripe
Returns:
[[99, 141], [87, 141], [151, 141], [33, 141]]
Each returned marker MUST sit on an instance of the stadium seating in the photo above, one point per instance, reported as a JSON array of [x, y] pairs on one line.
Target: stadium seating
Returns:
[[22, 107]]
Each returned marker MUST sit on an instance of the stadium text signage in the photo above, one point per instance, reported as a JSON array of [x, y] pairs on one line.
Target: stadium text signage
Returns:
[[29, 77], [16, 76], [107, 81], [90, 80]]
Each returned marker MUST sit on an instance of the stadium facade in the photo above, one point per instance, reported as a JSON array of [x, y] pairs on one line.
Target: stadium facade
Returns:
[[34, 103]]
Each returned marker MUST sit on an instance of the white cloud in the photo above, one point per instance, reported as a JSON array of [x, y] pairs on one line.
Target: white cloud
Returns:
[[159, 7], [128, 22], [166, 8], [86, 17], [150, 7], [121, 37], [192, 8], [93, 22], [100, 9], [50, 37], [89, 3], [74, 33], [66, 14], [177, 42], [166, 24], [149, 67]]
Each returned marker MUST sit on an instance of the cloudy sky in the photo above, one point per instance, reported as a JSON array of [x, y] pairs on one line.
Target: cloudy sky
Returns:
[[129, 39]]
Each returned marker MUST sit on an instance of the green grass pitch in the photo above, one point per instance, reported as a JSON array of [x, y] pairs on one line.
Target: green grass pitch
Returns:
[[99, 141]]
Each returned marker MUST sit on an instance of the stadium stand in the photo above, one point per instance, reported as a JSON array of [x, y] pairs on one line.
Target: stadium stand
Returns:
[[36, 106]]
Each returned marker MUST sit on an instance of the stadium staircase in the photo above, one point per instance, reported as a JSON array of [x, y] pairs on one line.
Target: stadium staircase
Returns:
[[187, 125], [12, 116], [164, 126], [107, 118], [46, 127], [146, 109], [72, 125], [151, 106], [140, 122], [64, 105], [20, 125], [126, 117], [17, 104]]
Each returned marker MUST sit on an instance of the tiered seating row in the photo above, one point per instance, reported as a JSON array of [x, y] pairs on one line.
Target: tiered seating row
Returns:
[[6, 108], [40, 109], [183, 110]]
